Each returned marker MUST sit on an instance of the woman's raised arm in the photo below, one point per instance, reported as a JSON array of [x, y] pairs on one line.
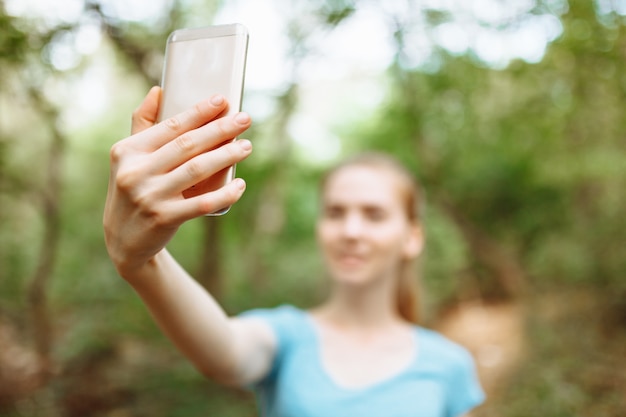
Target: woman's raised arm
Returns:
[[144, 208]]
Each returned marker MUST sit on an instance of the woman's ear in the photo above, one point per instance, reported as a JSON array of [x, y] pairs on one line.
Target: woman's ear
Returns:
[[415, 242]]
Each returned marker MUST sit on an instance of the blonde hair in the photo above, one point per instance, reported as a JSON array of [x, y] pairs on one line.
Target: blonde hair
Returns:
[[407, 293]]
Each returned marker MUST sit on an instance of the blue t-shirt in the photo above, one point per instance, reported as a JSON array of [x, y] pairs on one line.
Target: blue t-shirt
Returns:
[[440, 382]]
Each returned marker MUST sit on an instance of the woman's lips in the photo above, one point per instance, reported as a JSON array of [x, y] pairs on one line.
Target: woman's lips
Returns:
[[351, 259]]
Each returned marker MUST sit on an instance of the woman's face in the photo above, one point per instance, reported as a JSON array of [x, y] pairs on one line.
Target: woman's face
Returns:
[[364, 230]]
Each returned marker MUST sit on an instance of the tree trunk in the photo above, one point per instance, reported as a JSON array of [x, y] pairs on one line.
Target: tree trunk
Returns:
[[40, 314], [503, 266]]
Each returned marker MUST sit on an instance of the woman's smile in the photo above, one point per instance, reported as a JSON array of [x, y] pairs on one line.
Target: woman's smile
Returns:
[[351, 260]]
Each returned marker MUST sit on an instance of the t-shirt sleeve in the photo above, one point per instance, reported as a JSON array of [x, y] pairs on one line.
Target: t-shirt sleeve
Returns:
[[464, 388], [283, 322]]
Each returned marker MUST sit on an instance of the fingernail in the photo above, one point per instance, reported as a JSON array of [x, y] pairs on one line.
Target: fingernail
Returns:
[[239, 183], [245, 144], [217, 100], [242, 118]]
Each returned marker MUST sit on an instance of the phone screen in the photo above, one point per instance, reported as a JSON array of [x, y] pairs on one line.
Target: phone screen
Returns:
[[198, 64]]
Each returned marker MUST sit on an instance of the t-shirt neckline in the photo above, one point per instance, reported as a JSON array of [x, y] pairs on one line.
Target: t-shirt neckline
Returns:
[[314, 333]]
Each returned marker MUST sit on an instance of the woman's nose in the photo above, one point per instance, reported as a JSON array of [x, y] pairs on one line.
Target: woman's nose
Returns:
[[352, 226]]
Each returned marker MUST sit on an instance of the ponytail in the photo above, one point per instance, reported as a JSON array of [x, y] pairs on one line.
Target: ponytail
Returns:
[[407, 293]]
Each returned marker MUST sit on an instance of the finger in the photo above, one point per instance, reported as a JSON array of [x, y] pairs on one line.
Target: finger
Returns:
[[146, 114], [205, 165], [165, 131], [195, 142], [186, 209]]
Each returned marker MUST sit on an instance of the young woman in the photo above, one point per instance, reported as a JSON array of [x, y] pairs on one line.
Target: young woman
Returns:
[[361, 352]]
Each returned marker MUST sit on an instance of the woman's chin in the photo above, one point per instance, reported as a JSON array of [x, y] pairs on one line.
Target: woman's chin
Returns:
[[351, 277]]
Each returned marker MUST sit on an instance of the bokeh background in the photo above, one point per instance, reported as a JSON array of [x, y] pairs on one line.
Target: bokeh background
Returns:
[[511, 113]]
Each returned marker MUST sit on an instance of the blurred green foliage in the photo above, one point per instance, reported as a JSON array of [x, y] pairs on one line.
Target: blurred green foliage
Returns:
[[523, 169]]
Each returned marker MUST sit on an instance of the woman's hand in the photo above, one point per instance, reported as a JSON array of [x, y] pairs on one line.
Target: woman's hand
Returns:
[[150, 170]]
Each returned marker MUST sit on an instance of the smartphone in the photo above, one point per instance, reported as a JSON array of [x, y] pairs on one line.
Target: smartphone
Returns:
[[199, 63]]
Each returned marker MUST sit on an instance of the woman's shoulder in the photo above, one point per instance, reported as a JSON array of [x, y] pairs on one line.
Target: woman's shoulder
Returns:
[[287, 322], [437, 347], [281, 312], [454, 365], [284, 319]]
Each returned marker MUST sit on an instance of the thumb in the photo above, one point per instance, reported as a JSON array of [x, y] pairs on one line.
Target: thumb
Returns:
[[147, 113]]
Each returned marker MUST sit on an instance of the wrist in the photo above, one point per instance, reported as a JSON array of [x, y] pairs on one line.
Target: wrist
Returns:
[[137, 269]]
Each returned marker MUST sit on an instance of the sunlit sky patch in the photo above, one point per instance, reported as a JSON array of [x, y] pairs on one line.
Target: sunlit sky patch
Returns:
[[136, 10], [51, 13]]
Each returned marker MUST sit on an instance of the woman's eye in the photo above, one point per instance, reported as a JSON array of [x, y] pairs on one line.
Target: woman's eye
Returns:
[[333, 212], [375, 214]]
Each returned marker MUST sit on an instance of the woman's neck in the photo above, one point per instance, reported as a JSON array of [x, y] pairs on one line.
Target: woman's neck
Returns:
[[360, 308]]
